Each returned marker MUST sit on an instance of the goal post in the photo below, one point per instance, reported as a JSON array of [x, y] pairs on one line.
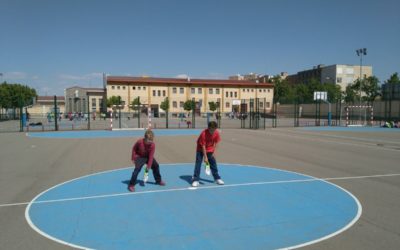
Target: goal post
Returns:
[[365, 111]]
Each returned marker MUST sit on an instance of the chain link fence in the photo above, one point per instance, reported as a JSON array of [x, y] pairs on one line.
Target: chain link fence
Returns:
[[248, 114]]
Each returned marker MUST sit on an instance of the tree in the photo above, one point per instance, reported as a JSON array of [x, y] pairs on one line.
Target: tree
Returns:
[[302, 93], [394, 79], [350, 94], [16, 95], [113, 100], [281, 89], [213, 106], [371, 89], [136, 103], [333, 91], [165, 104], [5, 96], [189, 105]]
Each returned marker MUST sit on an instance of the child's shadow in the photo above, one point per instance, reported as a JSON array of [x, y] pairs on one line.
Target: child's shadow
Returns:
[[140, 182], [188, 179]]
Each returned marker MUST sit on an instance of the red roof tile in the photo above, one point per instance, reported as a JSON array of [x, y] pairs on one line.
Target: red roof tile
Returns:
[[184, 81]]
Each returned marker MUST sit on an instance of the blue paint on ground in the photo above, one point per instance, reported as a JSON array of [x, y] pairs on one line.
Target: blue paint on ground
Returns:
[[258, 208], [352, 129], [112, 134]]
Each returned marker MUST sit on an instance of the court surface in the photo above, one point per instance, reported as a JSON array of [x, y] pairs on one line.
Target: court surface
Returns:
[[259, 208], [285, 188], [353, 129]]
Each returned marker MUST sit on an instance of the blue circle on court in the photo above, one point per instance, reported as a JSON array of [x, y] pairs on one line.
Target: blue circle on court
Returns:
[[112, 134], [257, 208]]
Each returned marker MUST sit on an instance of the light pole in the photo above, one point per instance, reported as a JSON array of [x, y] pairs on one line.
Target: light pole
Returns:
[[360, 53]]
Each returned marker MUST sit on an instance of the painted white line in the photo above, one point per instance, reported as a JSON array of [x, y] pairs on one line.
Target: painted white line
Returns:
[[311, 178], [199, 188]]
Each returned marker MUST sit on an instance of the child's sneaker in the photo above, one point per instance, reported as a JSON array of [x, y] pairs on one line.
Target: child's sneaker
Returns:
[[161, 183], [131, 188], [219, 182], [195, 184]]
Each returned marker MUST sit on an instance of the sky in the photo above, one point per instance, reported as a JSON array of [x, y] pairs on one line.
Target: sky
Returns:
[[51, 45]]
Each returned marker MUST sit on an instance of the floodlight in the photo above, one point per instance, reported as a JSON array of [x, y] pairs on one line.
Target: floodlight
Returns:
[[365, 51]]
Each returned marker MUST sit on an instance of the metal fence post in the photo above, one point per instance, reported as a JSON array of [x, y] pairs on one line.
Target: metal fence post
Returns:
[[55, 113]]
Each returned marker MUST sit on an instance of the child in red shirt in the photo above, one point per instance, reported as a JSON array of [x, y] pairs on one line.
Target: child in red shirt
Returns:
[[143, 153], [206, 147]]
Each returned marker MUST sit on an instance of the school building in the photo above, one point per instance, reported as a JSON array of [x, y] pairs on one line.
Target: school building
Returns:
[[153, 91]]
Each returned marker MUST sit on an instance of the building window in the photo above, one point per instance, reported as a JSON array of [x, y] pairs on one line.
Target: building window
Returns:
[[139, 88], [154, 93], [235, 94], [268, 90], [101, 104], [112, 87], [244, 90], [227, 94], [200, 90], [261, 104], [159, 93], [174, 90], [181, 90], [210, 91], [339, 80], [227, 104], [144, 88], [259, 90], [163, 93], [267, 104], [94, 104], [248, 90], [118, 87], [174, 104], [133, 88], [123, 87], [193, 91], [181, 104], [252, 90], [217, 91]]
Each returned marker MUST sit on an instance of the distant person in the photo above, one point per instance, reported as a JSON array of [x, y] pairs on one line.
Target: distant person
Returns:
[[206, 149], [188, 123], [143, 154]]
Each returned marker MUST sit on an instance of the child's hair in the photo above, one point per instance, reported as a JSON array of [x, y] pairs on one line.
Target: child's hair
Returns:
[[149, 134], [212, 124]]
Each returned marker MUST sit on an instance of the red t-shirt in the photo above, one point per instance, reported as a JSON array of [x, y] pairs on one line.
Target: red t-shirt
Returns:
[[143, 150], [208, 140]]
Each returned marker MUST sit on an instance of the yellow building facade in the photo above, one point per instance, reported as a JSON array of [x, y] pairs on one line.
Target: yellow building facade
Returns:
[[153, 91]]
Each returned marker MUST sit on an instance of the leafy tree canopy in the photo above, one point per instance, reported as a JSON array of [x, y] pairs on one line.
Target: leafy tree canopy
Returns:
[[165, 104], [16, 95]]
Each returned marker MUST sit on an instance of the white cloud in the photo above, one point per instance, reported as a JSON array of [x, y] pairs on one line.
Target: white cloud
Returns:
[[15, 75], [182, 76], [89, 76]]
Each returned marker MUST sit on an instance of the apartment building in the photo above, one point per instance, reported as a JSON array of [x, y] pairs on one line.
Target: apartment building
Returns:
[[340, 74], [153, 91], [344, 75]]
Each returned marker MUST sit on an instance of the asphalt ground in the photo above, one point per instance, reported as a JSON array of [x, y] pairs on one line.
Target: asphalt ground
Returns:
[[364, 163]]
